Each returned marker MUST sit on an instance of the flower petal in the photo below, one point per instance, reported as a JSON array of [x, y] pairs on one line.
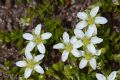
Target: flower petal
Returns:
[[73, 39], [28, 55], [82, 15], [27, 73], [59, 46], [75, 53], [91, 48], [79, 33], [83, 63], [77, 44], [38, 57], [112, 75], [38, 69], [30, 46], [28, 36], [94, 11], [21, 63], [82, 53], [46, 35], [93, 63], [98, 52], [41, 48], [100, 20], [90, 31], [66, 37], [96, 40], [95, 30], [100, 76], [81, 25], [64, 56], [38, 29]]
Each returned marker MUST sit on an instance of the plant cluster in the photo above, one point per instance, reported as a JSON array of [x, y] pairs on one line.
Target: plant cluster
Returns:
[[82, 46]]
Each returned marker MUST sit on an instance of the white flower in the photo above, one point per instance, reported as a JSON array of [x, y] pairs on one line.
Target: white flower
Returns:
[[90, 20], [69, 46], [36, 39], [89, 57], [31, 63], [112, 76], [88, 39]]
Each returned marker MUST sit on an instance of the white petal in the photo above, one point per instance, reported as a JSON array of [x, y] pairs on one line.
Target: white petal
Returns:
[[83, 63], [96, 40], [66, 37], [75, 53], [100, 20], [93, 63], [38, 57], [27, 73], [81, 25], [30, 46], [95, 30], [91, 48], [77, 44], [100, 76], [38, 29], [28, 55], [41, 48], [38, 69], [59, 46], [98, 52], [82, 53], [28, 36], [73, 39], [90, 31], [94, 11], [79, 33], [21, 63], [64, 56], [112, 75], [46, 35], [82, 15]]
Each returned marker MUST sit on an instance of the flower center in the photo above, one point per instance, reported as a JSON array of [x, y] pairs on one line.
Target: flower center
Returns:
[[68, 47], [91, 21], [88, 56], [38, 39], [31, 64], [86, 41]]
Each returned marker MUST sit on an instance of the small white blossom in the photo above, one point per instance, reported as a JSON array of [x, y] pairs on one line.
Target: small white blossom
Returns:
[[89, 57], [36, 39], [90, 20], [112, 76], [69, 46], [31, 63], [88, 39]]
